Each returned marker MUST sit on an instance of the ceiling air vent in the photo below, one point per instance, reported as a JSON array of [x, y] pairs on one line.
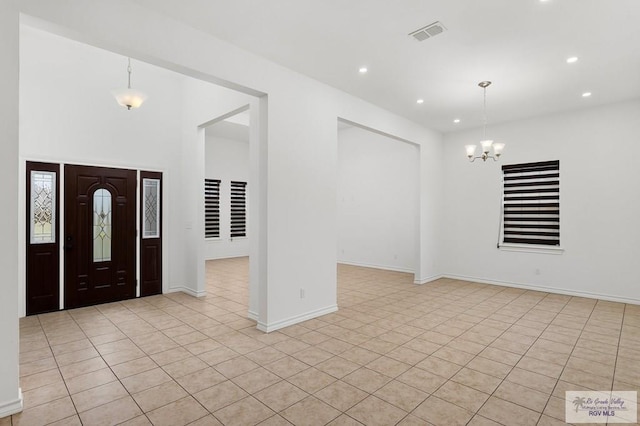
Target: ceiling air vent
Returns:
[[429, 31]]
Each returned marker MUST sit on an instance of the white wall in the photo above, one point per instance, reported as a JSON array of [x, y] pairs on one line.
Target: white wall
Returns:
[[10, 395], [378, 201], [67, 111], [599, 204], [226, 160]]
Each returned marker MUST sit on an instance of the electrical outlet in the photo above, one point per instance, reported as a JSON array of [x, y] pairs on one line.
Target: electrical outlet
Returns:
[[537, 271], [302, 293]]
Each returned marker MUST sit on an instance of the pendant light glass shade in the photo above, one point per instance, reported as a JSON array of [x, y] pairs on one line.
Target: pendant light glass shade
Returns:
[[497, 149], [486, 146], [471, 150], [129, 98]]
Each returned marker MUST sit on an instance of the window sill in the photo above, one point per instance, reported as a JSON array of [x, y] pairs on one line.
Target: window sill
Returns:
[[530, 248]]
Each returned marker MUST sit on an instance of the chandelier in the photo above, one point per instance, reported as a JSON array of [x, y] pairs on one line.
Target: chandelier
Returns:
[[129, 97], [485, 143]]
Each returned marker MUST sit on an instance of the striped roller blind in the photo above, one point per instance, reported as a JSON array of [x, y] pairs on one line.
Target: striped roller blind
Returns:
[[532, 203], [212, 208], [238, 209]]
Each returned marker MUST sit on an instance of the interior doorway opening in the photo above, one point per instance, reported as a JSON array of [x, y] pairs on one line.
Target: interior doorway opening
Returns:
[[378, 200], [227, 189]]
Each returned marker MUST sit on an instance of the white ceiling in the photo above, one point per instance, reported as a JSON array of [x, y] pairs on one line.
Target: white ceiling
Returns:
[[520, 45], [228, 130]]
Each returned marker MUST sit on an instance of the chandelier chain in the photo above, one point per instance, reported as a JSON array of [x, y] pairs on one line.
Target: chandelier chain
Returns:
[[129, 71], [484, 109]]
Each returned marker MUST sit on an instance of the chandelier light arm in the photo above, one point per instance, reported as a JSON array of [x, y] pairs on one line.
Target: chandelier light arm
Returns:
[[484, 157]]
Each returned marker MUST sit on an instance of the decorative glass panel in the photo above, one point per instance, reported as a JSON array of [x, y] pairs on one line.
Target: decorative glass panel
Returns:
[[102, 214], [43, 207], [151, 200]]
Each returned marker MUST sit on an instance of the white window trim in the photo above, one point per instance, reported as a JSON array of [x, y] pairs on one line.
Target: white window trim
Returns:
[[531, 248]]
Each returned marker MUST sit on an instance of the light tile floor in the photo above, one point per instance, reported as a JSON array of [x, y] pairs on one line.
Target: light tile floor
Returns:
[[447, 353]]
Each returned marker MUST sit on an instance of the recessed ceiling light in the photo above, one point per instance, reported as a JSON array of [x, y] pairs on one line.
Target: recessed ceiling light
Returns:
[[457, 120], [586, 94], [544, 1], [363, 70], [420, 101], [572, 60]]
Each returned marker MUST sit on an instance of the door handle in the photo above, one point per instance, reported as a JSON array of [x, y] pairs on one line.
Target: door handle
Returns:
[[68, 245]]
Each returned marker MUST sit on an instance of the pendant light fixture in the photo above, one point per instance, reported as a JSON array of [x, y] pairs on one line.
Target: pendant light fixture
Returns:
[[129, 97], [486, 144]]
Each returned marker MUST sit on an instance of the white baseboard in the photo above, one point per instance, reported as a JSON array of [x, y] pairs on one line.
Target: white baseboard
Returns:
[[277, 325], [421, 281], [11, 407], [226, 256], [188, 291], [252, 315], [556, 290], [370, 265]]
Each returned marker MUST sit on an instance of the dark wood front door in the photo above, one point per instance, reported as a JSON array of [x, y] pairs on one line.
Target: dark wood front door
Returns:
[[43, 236], [99, 235]]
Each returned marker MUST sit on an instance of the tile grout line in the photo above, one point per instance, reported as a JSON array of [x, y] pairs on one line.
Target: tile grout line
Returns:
[[209, 366], [519, 359], [615, 365], [108, 365], [505, 304], [454, 337], [59, 372], [569, 357], [496, 338], [158, 366]]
